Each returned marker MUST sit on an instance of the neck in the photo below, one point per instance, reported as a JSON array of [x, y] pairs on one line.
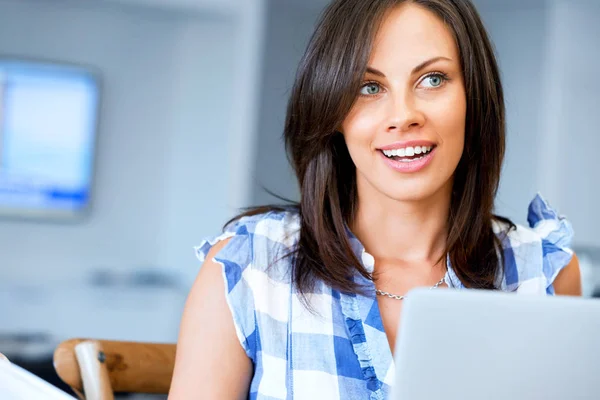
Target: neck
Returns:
[[402, 232]]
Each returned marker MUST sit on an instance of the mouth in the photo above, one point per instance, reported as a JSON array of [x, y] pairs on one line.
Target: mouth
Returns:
[[409, 153], [404, 158]]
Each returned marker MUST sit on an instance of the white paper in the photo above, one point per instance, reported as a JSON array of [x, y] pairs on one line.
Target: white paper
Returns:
[[17, 383]]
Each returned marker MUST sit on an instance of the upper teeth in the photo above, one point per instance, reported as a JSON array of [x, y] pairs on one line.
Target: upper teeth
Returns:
[[407, 151]]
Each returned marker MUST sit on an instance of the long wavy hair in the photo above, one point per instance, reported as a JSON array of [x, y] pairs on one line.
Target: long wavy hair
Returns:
[[325, 89]]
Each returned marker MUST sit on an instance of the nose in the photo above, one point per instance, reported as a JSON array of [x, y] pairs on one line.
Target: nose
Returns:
[[404, 114]]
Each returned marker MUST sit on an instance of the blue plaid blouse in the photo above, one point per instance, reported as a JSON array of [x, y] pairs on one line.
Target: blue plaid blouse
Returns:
[[341, 350]]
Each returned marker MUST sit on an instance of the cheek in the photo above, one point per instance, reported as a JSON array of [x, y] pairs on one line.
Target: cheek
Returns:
[[448, 117], [360, 126]]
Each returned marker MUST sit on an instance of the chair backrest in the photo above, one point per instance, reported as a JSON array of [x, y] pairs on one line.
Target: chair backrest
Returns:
[[133, 367]]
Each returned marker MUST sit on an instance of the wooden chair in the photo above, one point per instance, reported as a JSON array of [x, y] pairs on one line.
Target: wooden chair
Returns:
[[100, 368]]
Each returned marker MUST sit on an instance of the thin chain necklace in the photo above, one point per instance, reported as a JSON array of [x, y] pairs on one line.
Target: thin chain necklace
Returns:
[[398, 297]]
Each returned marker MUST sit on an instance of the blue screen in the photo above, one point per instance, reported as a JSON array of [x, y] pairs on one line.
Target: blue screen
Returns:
[[48, 119]]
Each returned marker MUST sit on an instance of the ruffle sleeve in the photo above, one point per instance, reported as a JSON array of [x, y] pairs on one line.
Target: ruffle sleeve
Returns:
[[556, 234]]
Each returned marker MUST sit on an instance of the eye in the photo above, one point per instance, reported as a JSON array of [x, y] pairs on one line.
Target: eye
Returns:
[[434, 80], [370, 89]]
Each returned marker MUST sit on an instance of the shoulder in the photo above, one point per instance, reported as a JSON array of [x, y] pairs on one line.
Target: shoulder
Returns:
[[252, 253], [256, 257], [534, 255], [254, 239]]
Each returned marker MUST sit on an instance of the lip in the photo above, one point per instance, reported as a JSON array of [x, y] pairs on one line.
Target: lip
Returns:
[[409, 143], [411, 166]]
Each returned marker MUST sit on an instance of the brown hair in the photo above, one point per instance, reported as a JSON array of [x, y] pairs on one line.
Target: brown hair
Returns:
[[327, 82]]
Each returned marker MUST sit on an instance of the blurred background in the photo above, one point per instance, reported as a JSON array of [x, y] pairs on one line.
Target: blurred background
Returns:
[[132, 129]]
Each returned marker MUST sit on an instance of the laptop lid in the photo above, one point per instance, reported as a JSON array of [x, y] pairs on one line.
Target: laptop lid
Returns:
[[463, 345]]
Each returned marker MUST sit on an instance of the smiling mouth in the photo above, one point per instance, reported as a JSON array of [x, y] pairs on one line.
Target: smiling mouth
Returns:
[[408, 154]]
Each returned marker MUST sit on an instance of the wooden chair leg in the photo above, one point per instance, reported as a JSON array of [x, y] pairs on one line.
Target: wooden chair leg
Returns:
[[94, 374]]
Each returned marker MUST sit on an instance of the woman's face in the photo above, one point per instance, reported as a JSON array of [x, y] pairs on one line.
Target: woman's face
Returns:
[[406, 131]]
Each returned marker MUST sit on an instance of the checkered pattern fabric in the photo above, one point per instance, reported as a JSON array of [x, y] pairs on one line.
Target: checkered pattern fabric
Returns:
[[339, 349]]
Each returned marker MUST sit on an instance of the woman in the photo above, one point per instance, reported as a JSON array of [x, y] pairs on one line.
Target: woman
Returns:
[[395, 128]]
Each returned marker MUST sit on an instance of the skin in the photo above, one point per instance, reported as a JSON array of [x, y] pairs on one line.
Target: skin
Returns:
[[568, 281], [210, 362], [400, 218]]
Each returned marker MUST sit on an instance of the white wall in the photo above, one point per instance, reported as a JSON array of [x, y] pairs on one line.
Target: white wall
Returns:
[[214, 129], [164, 127], [289, 27], [548, 54], [211, 6], [572, 140], [519, 30]]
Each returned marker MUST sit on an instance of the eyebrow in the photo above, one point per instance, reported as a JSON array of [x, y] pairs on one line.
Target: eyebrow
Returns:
[[415, 70]]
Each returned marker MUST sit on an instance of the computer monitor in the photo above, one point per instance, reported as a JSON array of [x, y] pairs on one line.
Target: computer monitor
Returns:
[[48, 128]]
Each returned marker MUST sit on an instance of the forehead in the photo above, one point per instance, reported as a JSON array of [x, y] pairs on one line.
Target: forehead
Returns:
[[409, 35]]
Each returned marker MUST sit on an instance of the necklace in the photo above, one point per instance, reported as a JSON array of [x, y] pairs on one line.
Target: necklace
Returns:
[[398, 297]]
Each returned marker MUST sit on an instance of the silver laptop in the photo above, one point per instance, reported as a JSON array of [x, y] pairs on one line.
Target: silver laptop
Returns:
[[473, 345]]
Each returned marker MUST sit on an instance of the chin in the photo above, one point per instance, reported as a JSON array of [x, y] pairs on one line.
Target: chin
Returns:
[[416, 191], [412, 196]]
